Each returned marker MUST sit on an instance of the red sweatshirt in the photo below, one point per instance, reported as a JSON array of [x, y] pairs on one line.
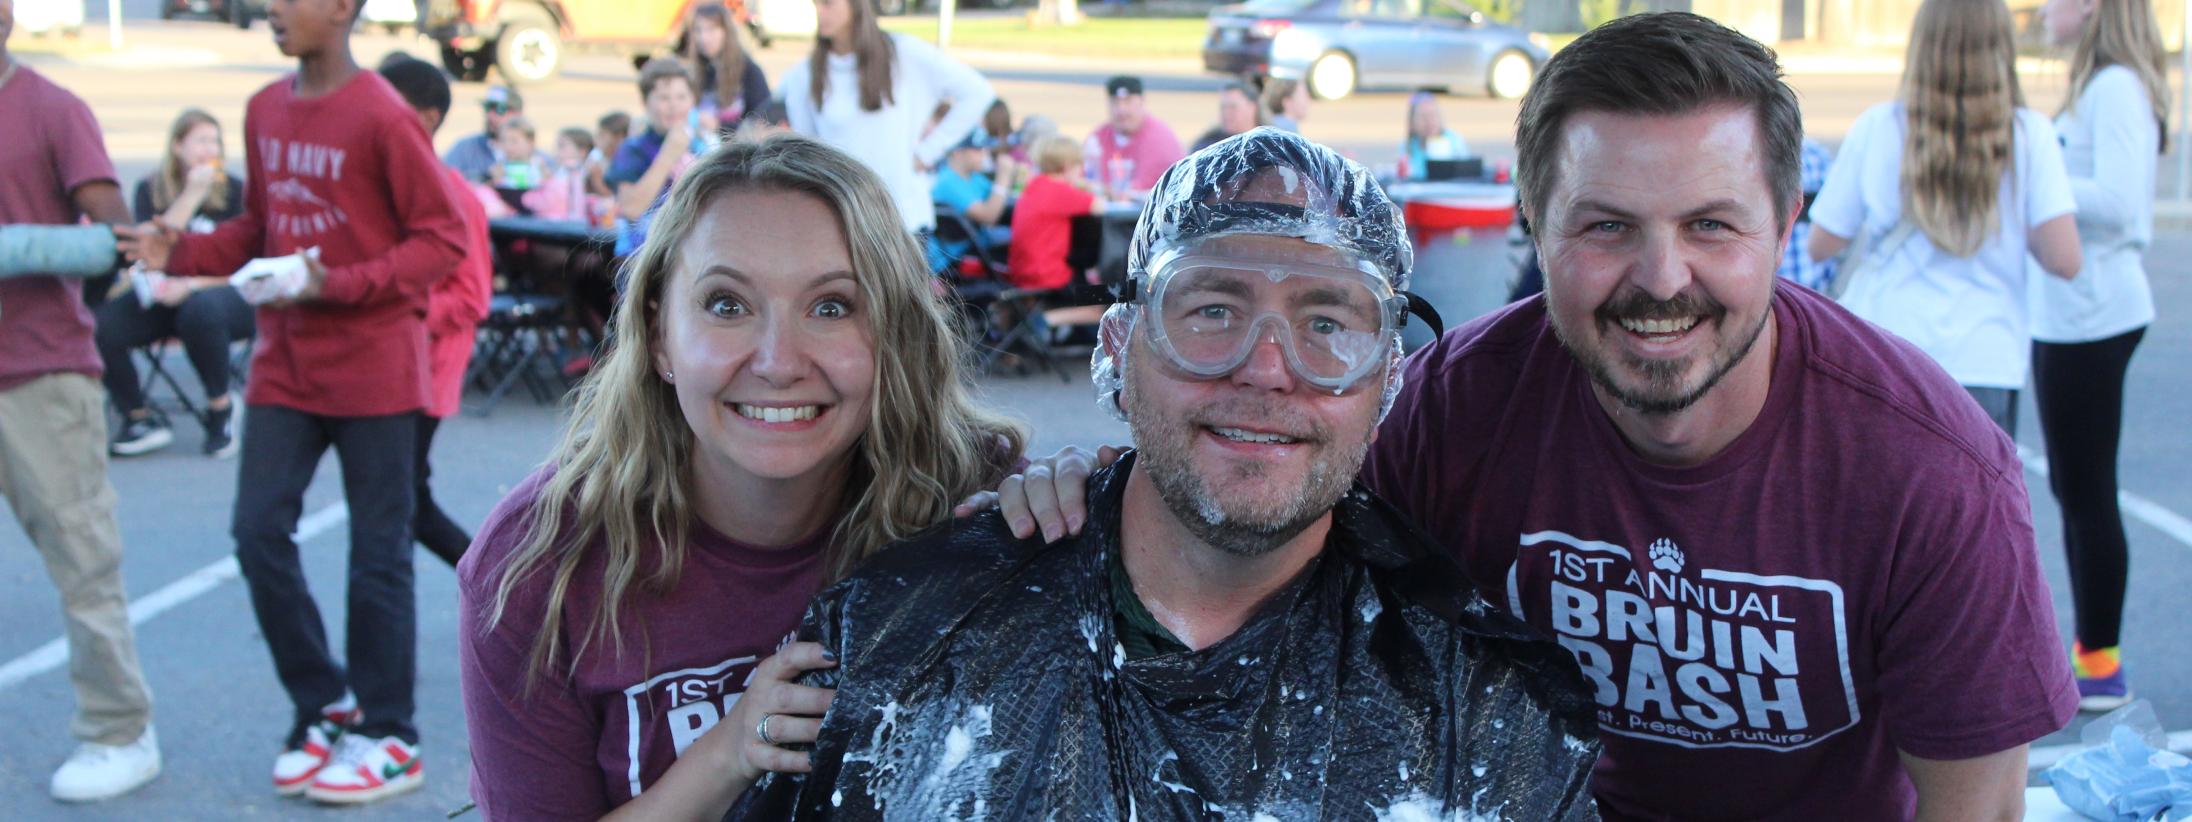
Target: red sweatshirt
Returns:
[[458, 303], [352, 172]]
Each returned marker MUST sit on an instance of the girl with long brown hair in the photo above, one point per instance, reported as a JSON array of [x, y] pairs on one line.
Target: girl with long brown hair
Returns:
[[732, 86], [870, 93], [782, 396], [2085, 331], [1955, 183], [192, 191]]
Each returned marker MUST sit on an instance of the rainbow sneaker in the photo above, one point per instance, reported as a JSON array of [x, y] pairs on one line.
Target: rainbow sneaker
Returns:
[[2100, 673], [367, 769], [310, 744]]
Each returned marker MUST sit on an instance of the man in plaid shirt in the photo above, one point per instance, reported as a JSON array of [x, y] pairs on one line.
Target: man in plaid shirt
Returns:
[[1796, 264]]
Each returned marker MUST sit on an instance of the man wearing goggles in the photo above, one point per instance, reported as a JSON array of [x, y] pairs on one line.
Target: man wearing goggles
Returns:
[[1334, 323], [1241, 629]]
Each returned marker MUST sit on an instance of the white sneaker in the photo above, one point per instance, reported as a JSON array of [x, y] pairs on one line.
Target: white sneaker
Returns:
[[310, 746], [96, 772], [366, 769]]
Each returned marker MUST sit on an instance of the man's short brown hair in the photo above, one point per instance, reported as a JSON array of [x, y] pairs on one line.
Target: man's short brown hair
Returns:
[[1664, 63], [660, 69]]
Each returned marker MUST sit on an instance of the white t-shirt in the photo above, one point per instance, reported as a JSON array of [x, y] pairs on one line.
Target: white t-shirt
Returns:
[[1969, 313], [2111, 145], [889, 139]]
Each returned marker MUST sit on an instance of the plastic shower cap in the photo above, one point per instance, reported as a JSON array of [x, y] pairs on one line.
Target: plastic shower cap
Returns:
[[1265, 181]]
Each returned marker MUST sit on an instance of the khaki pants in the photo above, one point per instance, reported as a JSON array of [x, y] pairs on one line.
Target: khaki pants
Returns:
[[53, 471]]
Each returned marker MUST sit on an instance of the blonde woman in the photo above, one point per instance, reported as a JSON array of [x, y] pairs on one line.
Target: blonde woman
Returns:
[[2085, 331], [194, 192], [1955, 183], [781, 398]]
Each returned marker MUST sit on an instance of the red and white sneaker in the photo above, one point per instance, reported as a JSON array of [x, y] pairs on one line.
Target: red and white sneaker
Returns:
[[310, 746], [366, 769]]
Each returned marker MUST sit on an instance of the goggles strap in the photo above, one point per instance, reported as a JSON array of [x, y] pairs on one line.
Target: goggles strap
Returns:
[[1422, 308]]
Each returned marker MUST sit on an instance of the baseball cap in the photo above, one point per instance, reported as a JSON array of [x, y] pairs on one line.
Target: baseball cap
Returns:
[[1123, 85], [503, 98]]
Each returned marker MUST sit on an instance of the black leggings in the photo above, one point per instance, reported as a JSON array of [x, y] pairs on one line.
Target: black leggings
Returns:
[[206, 323], [2080, 389], [429, 524]]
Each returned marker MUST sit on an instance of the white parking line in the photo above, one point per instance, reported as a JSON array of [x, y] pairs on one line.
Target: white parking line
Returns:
[[2140, 508], [54, 654]]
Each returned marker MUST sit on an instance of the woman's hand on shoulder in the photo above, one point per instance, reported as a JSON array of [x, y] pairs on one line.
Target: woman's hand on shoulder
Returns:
[[1051, 494]]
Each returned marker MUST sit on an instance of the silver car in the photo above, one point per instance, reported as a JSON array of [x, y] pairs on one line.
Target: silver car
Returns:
[[1338, 46]]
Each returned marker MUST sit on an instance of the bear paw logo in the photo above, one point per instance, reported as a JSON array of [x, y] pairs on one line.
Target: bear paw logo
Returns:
[[1666, 557]]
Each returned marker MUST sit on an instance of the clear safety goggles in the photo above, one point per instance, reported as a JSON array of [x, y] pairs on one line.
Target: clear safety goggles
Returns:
[[1334, 325]]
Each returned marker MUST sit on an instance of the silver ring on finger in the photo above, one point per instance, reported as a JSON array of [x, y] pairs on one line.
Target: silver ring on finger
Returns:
[[761, 730]]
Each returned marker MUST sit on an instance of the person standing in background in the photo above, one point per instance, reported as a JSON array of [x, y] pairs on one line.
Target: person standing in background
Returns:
[[732, 86], [53, 429], [1955, 182], [2084, 331], [870, 93], [454, 308]]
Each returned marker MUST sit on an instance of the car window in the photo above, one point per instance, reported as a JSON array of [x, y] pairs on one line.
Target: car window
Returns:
[[1396, 8], [1449, 10]]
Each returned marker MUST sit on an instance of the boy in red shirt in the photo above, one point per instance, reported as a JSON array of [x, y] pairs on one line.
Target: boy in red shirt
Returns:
[[1042, 221], [337, 161], [454, 308]]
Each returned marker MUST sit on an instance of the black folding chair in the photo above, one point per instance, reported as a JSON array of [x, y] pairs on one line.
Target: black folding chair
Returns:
[[156, 373], [1000, 321], [527, 333]]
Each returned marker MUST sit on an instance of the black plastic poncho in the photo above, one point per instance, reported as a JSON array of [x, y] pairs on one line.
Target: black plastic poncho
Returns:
[[980, 678]]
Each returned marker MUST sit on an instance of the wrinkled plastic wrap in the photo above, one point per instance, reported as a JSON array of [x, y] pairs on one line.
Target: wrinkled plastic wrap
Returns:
[[2127, 773], [56, 250], [1340, 205], [980, 678]]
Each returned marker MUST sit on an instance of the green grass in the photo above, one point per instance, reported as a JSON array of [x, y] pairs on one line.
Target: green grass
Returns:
[[1108, 38]]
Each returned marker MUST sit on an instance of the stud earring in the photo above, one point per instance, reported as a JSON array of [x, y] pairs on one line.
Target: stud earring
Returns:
[[669, 376]]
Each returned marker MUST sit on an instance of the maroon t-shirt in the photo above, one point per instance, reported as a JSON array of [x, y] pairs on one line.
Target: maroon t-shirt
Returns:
[[1853, 576], [580, 745], [49, 146]]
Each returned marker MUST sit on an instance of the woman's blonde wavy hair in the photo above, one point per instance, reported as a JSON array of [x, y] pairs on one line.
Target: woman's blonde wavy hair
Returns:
[[2123, 33], [621, 471], [1960, 99]]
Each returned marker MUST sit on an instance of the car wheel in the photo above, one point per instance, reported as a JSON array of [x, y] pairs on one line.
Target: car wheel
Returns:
[[528, 51], [167, 9], [1510, 75], [891, 7], [238, 14], [1332, 76]]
